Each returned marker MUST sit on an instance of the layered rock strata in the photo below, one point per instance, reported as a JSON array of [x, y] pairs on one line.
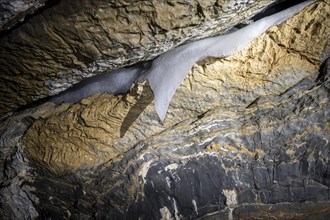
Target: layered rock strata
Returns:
[[272, 64], [71, 41], [245, 136], [230, 162], [15, 11]]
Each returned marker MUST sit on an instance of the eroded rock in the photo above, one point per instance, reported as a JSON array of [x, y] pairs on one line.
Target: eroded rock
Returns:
[[105, 126], [229, 148], [14, 11], [81, 135], [72, 41], [225, 160]]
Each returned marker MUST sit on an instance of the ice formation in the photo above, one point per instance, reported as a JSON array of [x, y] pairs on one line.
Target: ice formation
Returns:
[[169, 69], [113, 82]]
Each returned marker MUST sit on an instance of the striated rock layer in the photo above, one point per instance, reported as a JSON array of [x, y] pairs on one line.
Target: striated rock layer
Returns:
[[269, 66], [14, 11], [274, 152], [246, 136], [71, 41]]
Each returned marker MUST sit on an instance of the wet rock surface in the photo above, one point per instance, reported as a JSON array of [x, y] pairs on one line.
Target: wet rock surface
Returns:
[[68, 42], [246, 136]]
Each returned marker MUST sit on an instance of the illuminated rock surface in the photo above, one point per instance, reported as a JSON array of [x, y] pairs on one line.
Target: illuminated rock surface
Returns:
[[246, 136], [70, 41]]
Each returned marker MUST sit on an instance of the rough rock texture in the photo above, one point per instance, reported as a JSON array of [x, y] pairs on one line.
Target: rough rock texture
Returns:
[[245, 137], [15, 197], [14, 11], [272, 64], [84, 135], [273, 153], [68, 42]]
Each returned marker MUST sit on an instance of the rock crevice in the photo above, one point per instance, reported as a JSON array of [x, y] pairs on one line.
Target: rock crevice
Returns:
[[246, 136], [69, 42]]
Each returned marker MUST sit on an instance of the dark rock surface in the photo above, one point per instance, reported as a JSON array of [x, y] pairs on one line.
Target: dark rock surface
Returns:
[[14, 11], [218, 155], [270, 159], [16, 200]]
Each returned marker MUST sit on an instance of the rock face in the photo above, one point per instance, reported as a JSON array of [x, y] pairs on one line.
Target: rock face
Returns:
[[14, 11], [122, 121], [68, 42], [246, 137]]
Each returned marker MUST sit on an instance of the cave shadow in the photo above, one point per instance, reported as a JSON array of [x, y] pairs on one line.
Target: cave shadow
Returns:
[[143, 100], [275, 7], [324, 71]]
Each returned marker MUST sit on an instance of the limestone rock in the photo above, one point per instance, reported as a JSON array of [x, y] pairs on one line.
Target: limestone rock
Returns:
[[226, 160], [16, 198], [271, 64], [105, 126], [14, 11], [246, 135], [71, 41], [79, 135]]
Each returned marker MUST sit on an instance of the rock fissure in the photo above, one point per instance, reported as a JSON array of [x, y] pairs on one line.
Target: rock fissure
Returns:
[[246, 136]]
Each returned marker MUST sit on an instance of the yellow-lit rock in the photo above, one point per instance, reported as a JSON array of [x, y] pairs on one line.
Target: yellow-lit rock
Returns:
[[78, 39], [102, 127]]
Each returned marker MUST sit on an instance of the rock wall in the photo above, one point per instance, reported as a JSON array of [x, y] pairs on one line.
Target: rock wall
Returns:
[[71, 41], [270, 65], [15, 11], [246, 136]]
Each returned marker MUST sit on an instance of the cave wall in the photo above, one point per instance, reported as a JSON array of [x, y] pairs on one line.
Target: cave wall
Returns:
[[14, 12], [74, 40], [246, 136]]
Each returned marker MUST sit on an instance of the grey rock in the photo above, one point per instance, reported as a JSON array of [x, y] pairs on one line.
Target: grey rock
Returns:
[[16, 198], [266, 160], [14, 11], [276, 164]]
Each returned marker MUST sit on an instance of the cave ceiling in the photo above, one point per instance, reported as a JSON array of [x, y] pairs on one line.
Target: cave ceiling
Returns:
[[246, 136], [62, 43]]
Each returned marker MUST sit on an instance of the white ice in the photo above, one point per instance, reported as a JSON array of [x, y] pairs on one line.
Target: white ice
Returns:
[[114, 82], [169, 69]]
